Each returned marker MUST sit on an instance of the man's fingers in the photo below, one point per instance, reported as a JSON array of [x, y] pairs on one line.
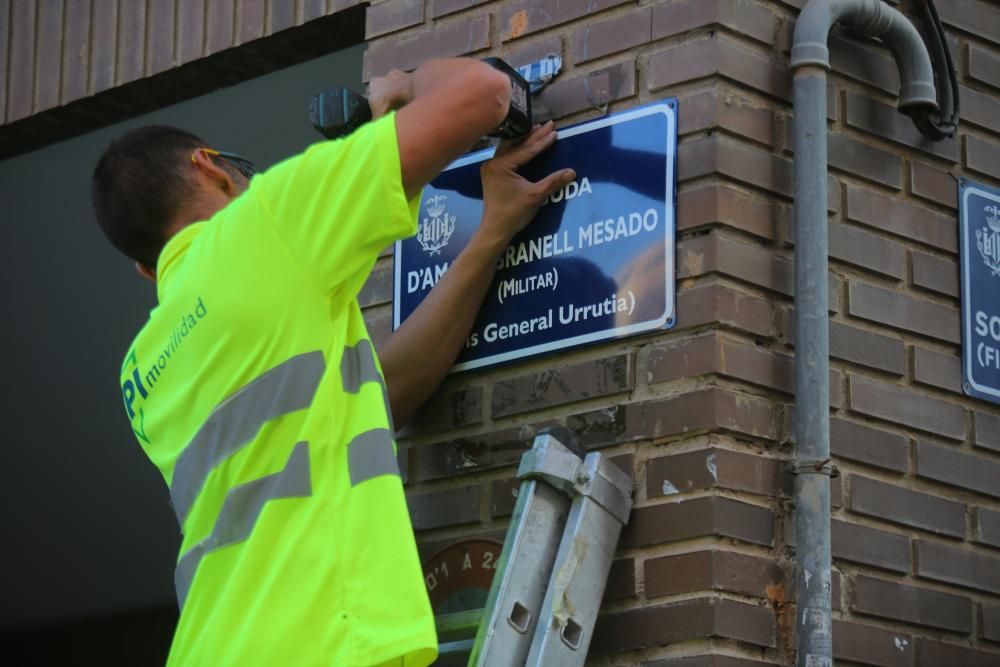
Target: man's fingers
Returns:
[[553, 182], [540, 138]]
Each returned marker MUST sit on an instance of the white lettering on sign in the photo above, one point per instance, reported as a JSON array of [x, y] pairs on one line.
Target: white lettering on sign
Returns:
[[572, 190], [550, 245], [988, 326], [613, 229], [425, 278]]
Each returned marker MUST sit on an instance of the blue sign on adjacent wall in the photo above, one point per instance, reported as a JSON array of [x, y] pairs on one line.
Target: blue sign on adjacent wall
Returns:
[[979, 211], [596, 263]]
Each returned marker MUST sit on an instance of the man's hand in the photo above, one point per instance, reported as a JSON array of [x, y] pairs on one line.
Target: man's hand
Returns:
[[389, 93], [510, 201], [418, 355]]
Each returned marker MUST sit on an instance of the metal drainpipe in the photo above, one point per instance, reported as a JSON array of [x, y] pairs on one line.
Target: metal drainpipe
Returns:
[[810, 63]]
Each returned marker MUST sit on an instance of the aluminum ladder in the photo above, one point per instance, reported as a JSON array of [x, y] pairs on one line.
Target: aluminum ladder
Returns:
[[554, 565]]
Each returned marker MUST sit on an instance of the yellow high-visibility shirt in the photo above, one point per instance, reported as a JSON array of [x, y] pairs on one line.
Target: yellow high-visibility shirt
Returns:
[[255, 390]]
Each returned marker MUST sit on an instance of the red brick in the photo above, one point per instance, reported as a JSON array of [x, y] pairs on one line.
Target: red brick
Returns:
[[990, 626], [866, 645], [474, 453], [219, 26], [443, 7], [982, 155], [719, 253], [450, 407], [714, 468], [897, 217], [406, 53], [20, 81], [713, 109], [711, 409], [378, 321], [865, 250], [944, 464], [709, 354], [619, 33], [724, 57], [853, 57], [520, 54], [688, 619], [855, 158], [909, 604], [868, 546], [741, 162], [984, 65], [392, 15], [700, 517], [935, 369], [895, 309], [935, 654], [986, 529], [858, 346], [972, 16], [987, 431], [730, 308], [905, 506], [710, 570], [933, 184], [980, 109], [953, 565], [934, 273], [76, 51], [566, 384], [683, 16], [524, 17], [721, 204], [882, 120], [439, 509], [593, 90], [875, 447], [621, 580], [377, 288], [907, 408]]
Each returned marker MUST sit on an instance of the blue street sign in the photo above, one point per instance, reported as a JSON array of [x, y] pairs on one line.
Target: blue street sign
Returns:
[[979, 214], [596, 263]]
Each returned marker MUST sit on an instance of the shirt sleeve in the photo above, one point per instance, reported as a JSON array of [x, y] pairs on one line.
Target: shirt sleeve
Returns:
[[339, 204]]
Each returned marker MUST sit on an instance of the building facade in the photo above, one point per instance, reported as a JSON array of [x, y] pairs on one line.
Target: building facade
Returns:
[[701, 415]]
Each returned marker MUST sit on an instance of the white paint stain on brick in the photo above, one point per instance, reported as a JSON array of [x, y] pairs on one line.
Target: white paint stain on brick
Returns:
[[901, 643], [668, 488], [712, 469]]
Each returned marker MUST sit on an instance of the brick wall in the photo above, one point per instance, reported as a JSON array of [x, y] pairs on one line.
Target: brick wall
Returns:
[[702, 576]]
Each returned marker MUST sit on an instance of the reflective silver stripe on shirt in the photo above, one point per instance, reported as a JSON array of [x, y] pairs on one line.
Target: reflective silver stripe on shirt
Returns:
[[233, 424], [357, 367], [371, 454], [240, 511]]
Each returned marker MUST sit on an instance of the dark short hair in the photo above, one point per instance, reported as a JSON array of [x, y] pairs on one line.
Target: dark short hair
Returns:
[[139, 186]]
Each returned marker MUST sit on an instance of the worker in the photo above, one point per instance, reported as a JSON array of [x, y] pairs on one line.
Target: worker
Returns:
[[254, 388]]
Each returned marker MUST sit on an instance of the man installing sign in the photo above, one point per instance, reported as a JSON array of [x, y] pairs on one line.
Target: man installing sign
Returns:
[[254, 388]]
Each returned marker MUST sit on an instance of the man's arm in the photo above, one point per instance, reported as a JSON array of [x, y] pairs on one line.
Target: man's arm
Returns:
[[419, 354], [445, 106]]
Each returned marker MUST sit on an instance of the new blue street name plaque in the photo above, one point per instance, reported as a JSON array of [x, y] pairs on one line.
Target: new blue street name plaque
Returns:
[[596, 263], [979, 214]]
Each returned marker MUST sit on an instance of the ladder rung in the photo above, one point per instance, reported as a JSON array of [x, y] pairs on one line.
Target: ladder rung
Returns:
[[458, 625]]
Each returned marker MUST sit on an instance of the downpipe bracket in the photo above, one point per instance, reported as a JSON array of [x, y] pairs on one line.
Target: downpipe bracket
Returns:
[[817, 467]]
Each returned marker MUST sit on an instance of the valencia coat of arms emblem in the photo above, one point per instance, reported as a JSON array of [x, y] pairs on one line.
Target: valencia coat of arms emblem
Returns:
[[436, 230], [988, 239]]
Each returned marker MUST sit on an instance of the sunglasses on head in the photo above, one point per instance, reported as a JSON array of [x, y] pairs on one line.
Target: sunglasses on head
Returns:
[[243, 165]]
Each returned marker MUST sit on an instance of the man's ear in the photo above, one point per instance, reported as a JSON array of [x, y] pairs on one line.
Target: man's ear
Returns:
[[145, 271], [216, 174]]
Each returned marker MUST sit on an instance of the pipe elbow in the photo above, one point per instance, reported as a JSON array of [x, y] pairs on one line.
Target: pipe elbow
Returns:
[[872, 18], [812, 32]]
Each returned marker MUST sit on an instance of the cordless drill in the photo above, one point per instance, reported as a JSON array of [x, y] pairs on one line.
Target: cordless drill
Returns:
[[337, 112]]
